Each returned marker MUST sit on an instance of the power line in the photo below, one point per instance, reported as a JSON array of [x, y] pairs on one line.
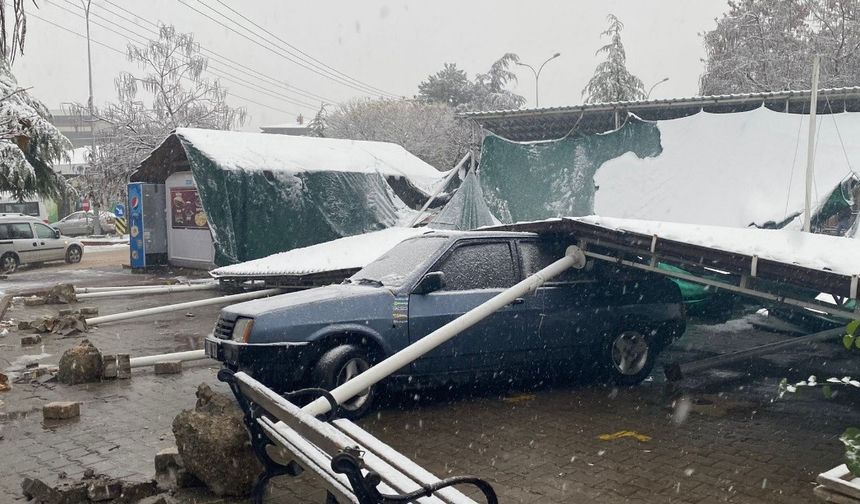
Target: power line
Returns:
[[215, 56], [322, 64], [111, 48], [211, 69], [275, 51]]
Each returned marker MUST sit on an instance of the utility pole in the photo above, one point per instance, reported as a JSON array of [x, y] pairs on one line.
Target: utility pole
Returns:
[[537, 74], [810, 148], [97, 228]]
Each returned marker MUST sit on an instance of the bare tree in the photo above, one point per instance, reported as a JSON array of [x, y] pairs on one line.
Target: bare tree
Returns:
[[170, 93]]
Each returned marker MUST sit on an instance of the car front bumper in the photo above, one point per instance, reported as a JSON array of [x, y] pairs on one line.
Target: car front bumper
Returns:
[[278, 365]]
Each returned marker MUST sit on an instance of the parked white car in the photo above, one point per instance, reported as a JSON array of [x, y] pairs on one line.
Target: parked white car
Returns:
[[83, 223], [27, 240]]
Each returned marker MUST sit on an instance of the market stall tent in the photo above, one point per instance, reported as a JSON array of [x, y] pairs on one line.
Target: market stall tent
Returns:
[[259, 194]]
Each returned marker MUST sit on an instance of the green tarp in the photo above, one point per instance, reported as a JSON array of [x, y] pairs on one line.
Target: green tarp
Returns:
[[539, 180], [467, 209], [255, 213]]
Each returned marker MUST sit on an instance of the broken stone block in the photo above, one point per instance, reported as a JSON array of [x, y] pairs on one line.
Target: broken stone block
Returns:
[[67, 311], [80, 364], [34, 301], [4, 383], [102, 490], [61, 294], [168, 367], [170, 472], [159, 499], [214, 430], [123, 366], [61, 410], [33, 339], [109, 367], [24, 325], [39, 491], [134, 492], [89, 310]]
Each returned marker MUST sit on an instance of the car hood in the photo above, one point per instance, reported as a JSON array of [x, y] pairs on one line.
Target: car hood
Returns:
[[343, 293]]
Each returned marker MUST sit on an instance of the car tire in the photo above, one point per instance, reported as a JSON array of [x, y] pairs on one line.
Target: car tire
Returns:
[[9, 262], [74, 254], [339, 365], [629, 357]]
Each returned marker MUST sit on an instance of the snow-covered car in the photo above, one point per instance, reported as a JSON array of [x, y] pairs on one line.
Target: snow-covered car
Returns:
[[599, 318], [82, 223], [27, 240]]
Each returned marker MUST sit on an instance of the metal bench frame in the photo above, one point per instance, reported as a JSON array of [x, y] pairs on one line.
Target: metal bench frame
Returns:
[[355, 466]]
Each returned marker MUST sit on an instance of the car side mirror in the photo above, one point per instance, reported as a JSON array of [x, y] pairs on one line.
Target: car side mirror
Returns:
[[57, 233], [432, 282]]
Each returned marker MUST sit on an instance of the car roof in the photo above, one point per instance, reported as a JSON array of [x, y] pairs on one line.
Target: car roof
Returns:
[[18, 217], [476, 234]]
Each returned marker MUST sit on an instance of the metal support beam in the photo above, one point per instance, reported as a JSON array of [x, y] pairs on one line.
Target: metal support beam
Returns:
[[836, 312], [678, 371]]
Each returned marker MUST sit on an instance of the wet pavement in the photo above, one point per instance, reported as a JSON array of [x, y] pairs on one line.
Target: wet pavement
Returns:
[[722, 437]]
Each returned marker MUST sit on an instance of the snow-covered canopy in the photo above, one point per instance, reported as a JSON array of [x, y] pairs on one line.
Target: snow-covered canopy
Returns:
[[730, 169], [816, 251], [352, 252], [298, 154]]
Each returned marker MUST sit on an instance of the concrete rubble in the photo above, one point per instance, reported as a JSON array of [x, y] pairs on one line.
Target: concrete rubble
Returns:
[[80, 364], [61, 410], [93, 488], [214, 444]]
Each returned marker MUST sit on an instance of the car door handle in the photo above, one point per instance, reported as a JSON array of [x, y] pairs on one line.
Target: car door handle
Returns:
[[42, 243], [518, 301], [35, 244]]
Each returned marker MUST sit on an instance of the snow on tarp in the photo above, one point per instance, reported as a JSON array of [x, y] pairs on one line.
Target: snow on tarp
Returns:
[[729, 169], [299, 154], [467, 209], [345, 253], [822, 252]]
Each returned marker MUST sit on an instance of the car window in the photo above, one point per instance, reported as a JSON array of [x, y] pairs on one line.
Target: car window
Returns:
[[16, 231], [73, 216], [43, 231], [535, 256], [479, 266], [393, 267]]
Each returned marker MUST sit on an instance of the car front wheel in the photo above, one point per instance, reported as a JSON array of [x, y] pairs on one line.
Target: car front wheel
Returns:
[[339, 365], [630, 357], [74, 254]]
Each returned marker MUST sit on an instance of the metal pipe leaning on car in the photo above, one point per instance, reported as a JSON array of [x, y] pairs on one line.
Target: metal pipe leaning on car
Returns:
[[573, 258], [155, 289], [183, 306]]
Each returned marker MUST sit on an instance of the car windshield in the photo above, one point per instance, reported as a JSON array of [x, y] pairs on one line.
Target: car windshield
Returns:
[[395, 266]]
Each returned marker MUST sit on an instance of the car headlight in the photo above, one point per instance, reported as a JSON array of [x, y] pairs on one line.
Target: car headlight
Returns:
[[242, 329]]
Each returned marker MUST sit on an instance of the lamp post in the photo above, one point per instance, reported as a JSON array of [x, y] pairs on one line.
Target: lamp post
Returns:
[[664, 79], [537, 74]]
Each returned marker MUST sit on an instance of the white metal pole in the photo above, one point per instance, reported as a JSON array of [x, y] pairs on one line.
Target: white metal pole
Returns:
[[156, 289], [573, 258], [439, 189], [183, 306], [151, 360], [810, 148], [86, 290]]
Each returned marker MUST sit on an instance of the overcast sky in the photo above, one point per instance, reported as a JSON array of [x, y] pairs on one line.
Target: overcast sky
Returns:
[[385, 44]]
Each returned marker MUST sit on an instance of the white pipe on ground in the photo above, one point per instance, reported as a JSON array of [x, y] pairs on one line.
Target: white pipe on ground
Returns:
[[183, 306], [573, 258], [155, 289], [151, 360], [88, 290]]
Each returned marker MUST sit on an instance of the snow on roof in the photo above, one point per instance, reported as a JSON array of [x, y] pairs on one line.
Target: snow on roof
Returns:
[[729, 169], [342, 254], [236, 150], [285, 125], [817, 251]]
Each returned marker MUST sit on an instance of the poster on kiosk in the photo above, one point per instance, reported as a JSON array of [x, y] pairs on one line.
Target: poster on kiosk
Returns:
[[146, 225]]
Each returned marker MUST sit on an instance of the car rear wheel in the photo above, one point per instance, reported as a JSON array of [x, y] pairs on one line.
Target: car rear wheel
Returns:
[[9, 262], [339, 365], [630, 357], [74, 254]]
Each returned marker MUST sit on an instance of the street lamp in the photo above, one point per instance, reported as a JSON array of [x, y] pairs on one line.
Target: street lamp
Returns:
[[537, 73], [647, 96]]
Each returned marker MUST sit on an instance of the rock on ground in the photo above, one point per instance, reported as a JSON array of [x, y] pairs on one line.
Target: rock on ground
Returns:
[[80, 364], [215, 446]]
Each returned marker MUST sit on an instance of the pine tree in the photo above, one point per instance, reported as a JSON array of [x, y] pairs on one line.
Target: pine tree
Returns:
[[449, 85], [611, 81], [488, 91]]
